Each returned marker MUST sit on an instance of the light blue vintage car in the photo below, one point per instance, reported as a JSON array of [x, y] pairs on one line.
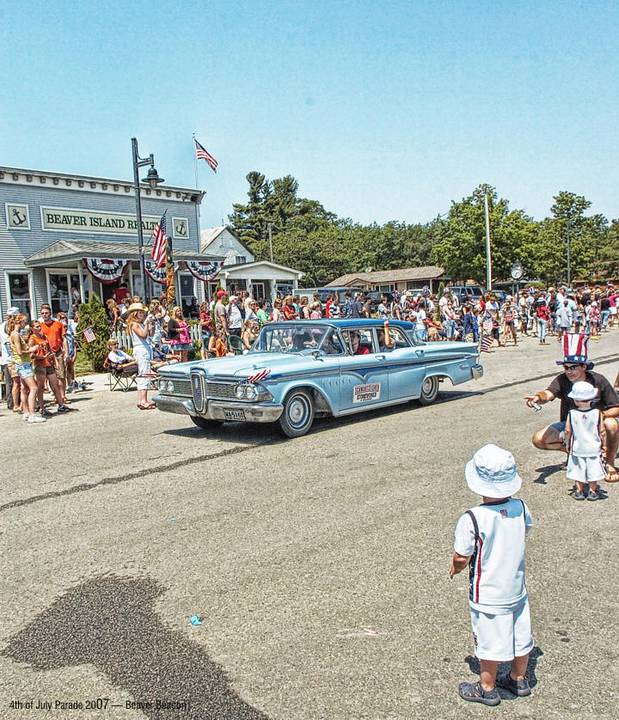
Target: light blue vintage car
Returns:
[[302, 369]]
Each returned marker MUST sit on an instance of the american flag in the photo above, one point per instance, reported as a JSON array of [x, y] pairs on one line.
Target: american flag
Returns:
[[203, 154], [260, 375], [89, 335], [159, 243], [486, 343]]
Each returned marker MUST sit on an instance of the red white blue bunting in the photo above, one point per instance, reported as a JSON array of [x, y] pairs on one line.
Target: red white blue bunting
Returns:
[[204, 270], [105, 270], [158, 274]]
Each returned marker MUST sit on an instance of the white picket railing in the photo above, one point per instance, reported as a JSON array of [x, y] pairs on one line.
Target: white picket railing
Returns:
[[124, 341]]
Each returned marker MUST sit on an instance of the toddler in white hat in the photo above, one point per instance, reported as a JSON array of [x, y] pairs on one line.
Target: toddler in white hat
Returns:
[[490, 540], [585, 440]]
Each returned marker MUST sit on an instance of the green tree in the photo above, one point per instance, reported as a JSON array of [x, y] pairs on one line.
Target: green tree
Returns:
[[92, 315], [460, 245]]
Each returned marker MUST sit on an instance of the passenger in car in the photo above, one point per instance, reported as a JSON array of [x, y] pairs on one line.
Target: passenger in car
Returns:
[[386, 343], [357, 347]]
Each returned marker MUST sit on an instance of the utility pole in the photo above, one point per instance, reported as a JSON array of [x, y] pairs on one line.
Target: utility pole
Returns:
[[488, 254], [271, 241], [568, 240]]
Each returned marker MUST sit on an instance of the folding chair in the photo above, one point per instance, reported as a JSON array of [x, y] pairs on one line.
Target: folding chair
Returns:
[[235, 344], [123, 378]]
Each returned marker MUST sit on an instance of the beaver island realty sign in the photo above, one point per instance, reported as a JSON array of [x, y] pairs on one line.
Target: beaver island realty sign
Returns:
[[92, 221]]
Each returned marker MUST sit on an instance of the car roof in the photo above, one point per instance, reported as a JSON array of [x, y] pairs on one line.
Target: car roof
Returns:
[[347, 323]]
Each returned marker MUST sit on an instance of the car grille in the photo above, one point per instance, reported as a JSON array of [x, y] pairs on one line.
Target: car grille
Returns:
[[182, 387], [197, 387], [219, 390]]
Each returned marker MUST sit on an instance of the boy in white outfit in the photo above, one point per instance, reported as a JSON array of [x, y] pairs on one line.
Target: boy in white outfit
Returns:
[[490, 539], [585, 440]]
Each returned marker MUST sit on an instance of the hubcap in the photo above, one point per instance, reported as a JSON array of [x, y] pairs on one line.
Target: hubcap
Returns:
[[297, 411], [428, 386]]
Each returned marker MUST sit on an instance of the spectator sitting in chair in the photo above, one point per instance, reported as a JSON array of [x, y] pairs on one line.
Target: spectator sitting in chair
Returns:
[[118, 358]]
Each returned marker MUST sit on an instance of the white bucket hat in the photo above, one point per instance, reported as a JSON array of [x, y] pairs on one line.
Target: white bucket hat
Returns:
[[583, 391], [492, 472]]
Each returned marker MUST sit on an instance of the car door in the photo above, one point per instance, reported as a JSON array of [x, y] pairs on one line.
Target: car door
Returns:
[[406, 365], [364, 378]]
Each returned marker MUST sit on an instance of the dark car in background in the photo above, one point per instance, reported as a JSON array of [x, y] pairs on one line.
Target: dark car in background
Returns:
[[468, 293]]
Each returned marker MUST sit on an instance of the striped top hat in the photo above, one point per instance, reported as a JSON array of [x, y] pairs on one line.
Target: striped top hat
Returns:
[[575, 349]]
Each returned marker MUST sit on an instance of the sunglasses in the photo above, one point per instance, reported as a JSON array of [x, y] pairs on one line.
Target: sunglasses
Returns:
[[570, 367]]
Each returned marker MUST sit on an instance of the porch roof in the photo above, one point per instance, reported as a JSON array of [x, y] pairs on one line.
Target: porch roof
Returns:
[[63, 252]]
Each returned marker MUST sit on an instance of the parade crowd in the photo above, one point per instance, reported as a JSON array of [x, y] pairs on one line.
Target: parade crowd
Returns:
[[40, 354]]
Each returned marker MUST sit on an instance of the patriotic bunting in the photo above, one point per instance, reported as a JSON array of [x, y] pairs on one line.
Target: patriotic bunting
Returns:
[[104, 269], [158, 274], [204, 270]]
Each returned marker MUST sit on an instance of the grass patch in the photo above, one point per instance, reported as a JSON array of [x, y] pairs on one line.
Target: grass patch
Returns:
[[83, 366]]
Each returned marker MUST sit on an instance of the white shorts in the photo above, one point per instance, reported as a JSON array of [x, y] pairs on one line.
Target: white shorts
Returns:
[[143, 360], [613, 310], [505, 636], [585, 469]]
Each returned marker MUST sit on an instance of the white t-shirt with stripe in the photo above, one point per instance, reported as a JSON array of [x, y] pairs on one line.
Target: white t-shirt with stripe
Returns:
[[495, 541]]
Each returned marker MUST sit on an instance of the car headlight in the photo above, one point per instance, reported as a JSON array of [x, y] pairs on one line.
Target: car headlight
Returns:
[[240, 392], [170, 387], [251, 392]]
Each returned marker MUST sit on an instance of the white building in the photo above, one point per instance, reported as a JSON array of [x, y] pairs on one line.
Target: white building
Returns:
[[262, 279]]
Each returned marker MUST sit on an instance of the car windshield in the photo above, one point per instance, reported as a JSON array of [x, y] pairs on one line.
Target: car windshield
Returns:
[[301, 339]]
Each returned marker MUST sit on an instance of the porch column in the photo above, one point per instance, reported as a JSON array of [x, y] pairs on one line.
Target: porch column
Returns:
[[81, 277]]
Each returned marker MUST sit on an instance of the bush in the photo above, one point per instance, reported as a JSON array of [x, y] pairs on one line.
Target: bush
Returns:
[[93, 315]]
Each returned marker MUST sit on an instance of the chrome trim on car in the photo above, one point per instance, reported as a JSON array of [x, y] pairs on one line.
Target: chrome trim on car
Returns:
[[168, 403], [253, 412], [198, 393], [477, 371]]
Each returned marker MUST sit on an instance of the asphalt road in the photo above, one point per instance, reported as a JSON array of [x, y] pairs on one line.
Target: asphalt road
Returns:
[[319, 566]]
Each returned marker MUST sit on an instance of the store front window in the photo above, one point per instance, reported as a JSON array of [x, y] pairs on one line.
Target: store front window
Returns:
[[18, 285], [63, 289], [189, 303]]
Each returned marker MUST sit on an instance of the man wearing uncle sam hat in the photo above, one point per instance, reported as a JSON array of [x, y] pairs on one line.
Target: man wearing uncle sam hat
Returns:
[[578, 368], [490, 540]]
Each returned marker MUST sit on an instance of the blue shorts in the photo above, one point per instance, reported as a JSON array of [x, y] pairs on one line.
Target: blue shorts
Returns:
[[25, 371], [558, 426]]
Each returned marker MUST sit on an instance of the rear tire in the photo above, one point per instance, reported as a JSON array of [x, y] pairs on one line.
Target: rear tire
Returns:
[[298, 414], [204, 423], [429, 391]]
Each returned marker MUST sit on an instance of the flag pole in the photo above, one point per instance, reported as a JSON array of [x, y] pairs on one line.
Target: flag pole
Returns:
[[204, 288], [195, 160]]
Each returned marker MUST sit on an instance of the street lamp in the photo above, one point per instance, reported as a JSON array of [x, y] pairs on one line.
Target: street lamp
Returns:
[[152, 179]]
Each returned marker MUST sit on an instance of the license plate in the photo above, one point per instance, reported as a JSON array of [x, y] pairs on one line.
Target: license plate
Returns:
[[234, 414]]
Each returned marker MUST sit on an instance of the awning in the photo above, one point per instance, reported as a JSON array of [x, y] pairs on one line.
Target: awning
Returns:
[[70, 252]]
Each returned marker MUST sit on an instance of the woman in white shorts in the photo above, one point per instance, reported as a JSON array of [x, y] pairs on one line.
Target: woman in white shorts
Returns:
[[142, 352]]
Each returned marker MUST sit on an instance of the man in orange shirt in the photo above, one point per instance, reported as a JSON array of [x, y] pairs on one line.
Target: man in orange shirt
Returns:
[[43, 359], [55, 331]]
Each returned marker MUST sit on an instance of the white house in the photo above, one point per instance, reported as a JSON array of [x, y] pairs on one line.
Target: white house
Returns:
[[262, 279]]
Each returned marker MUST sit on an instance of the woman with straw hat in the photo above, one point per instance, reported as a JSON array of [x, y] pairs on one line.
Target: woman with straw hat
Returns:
[[139, 333]]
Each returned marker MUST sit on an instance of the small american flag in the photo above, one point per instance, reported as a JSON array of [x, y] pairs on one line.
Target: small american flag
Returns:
[[203, 154], [260, 375], [158, 253], [89, 335], [486, 343]]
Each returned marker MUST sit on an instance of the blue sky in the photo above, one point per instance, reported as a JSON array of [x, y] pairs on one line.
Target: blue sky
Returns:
[[380, 110]]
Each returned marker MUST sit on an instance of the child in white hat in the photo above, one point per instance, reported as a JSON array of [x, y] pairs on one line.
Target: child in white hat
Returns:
[[585, 442], [490, 539]]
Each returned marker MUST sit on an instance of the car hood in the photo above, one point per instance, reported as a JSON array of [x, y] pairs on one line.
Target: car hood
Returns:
[[242, 366]]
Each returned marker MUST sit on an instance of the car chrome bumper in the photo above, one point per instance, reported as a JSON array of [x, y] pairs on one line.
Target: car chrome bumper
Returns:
[[477, 371], [218, 409], [179, 405]]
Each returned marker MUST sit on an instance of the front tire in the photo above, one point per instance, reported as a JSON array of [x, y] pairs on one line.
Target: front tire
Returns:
[[429, 391], [204, 423], [298, 414]]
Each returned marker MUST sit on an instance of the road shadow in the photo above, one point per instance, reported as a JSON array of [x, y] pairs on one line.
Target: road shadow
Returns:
[[548, 470], [110, 623], [246, 431], [531, 673]]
